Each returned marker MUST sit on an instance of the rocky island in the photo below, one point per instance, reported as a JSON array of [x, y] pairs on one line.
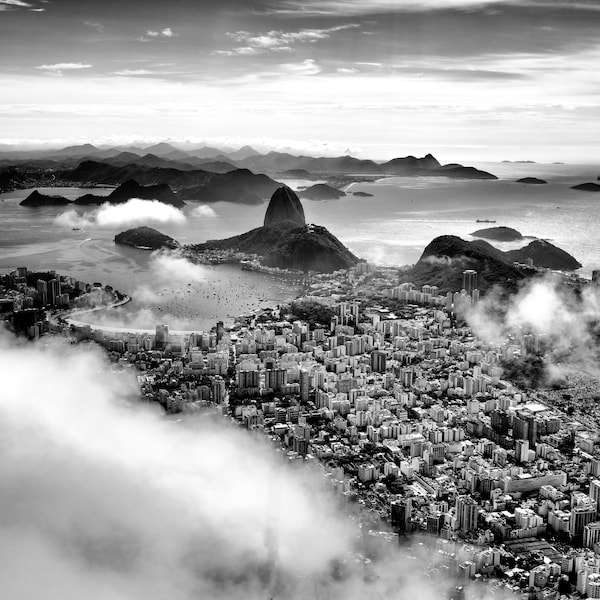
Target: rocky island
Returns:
[[587, 187], [321, 191], [38, 199], [498, 234], [532, 180], [145, 238]]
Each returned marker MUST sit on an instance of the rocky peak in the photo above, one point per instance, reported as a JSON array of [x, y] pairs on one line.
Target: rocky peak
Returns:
[[284, 206]]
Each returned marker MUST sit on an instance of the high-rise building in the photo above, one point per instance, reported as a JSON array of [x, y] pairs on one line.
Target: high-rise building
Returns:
[[220, 330], [595, 491], [591, 534], [53, 291], [162, 336], [378, 361], [580, 517], [304, 385], [469, 281], [466, 513]]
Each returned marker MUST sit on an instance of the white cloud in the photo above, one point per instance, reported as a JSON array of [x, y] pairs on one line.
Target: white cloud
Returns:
[[58, 68], [277, 40], [172, 267], [133, 212], [133, 72], [306, 67], [346, 71], [167, 32], [204, 211], [14, 4], [111, 500]]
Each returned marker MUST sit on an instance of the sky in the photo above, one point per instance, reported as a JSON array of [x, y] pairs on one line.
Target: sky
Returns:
[[463, 79]]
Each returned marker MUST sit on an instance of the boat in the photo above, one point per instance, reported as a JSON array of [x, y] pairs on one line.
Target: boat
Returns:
[[76, 229], [485, 221]]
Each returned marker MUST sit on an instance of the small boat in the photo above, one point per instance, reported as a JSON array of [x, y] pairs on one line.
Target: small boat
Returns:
[[76, 229], [485, 221]]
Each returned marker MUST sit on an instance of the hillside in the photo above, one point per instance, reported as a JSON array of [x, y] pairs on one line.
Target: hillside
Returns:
[[131, 189], [499, 234], [321, 191]]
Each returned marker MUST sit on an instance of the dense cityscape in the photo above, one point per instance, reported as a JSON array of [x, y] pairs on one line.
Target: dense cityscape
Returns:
[[409, 416]]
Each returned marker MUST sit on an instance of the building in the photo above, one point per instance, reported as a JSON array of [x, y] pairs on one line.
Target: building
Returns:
[[378, 361], [466, 513], [469, 281], [162, 336]]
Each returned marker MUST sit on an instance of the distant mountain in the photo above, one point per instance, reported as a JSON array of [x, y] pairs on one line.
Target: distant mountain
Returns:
[[240, 186], [131, 189], [164, 149], [145, 238], [587, 187], [242, 153], [37, 199], [284, 206], [321, 191], [10, 179], [499, 234]]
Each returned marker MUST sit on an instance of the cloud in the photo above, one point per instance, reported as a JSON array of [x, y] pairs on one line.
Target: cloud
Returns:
[[99, 27], [171, 267], [568, 322], [151, 34], [108, 499], [133, 72], [277, 40], [14, 5], [306, 67], [346, 71], [133, 212], [58, 68], [204, 211]]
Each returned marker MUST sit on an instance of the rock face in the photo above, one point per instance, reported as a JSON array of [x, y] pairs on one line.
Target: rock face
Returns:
[[499, 234], [37, 199], [321, 191], [284, 206], [145, 238], [532, 180]]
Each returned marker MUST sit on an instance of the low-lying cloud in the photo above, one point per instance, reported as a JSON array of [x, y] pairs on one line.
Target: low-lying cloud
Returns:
[[107, 499], [104, 498], [131, 213], [568, 321], [204, 211]]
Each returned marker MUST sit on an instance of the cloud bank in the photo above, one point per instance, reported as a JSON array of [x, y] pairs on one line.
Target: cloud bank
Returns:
[[107, 499], [133, 212]]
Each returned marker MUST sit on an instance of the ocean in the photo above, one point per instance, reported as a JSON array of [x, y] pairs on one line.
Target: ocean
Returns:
[[392, 227]]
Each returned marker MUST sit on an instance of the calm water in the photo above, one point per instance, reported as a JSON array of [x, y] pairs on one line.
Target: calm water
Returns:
[[392, 227]]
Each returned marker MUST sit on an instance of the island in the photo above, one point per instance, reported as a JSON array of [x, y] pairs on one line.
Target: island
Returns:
[[362, 194], [321, 191], [532, 180], [499, 234], [38, 199], [587, 187], [146, 238]]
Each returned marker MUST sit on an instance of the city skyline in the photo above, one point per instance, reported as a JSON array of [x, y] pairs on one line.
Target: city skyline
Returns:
[[461, 79]]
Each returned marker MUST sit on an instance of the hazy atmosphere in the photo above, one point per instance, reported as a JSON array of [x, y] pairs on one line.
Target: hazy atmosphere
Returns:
[[463, 79]]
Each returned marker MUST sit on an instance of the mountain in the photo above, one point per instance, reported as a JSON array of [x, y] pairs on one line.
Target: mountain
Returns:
[[37, 199], [446, 257], [277, 162], [499, 234], [321, 191], [285, 241], [163, 149], [284, 206], [240, 186], [131, 189], [11, 179], [145, 238], [242, 153], [587, 187], [287, 246], [546, 255]]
